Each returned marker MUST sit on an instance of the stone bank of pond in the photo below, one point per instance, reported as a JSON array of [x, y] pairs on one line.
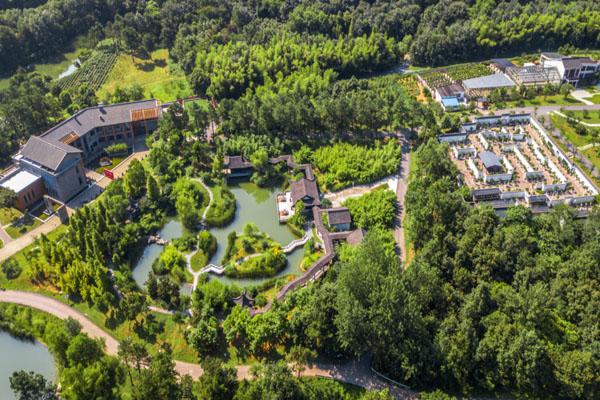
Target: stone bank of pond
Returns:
[[254, 204], [16, 354]]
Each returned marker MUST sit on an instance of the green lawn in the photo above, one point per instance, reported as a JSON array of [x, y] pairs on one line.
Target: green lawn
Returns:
[[58, 65], [593, 154], [555, 100], [153, 74], [22, 226], [569, 132], [592, 117], [8, 215], [595, 99]]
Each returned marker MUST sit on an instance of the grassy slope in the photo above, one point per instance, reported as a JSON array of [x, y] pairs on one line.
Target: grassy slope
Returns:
[[153, 75]]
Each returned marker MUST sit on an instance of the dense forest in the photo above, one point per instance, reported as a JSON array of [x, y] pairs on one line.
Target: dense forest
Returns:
[[280, 68], [431, 32]]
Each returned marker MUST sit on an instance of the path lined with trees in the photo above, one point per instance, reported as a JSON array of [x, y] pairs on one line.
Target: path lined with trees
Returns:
[[355, 372]]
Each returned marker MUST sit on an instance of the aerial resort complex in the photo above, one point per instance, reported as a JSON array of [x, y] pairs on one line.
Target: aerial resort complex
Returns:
[[299, 200], [510, 159]]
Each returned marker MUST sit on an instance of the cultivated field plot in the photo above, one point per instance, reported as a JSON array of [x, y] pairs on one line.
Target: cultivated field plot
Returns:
[[456, 73], [93, 72], [515, 159]]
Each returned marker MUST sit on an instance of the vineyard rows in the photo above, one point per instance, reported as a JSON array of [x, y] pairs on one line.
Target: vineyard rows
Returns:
[[92, 72]]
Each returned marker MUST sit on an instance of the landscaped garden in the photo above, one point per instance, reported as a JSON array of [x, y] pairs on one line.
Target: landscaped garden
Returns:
[[21, 226], [252, 254]]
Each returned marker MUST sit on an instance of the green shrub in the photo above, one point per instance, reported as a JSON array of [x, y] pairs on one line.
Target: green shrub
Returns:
[[222, 209], [169, 261], [374, 209], [199, 260], [207, 243], [265, 265], [11, 269], [230, 250], [345, 164], [116, 149]]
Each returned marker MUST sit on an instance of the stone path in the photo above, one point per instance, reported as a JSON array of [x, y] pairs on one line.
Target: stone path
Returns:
[[355, 372]]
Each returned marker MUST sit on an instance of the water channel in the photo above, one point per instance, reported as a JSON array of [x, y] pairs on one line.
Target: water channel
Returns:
[[22, 355], [254, 204]]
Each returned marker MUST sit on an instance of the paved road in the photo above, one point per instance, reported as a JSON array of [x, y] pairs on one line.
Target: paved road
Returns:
[[545, 110], [356, 372], [400, 193]]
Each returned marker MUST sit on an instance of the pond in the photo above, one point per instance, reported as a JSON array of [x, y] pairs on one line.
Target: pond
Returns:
[[254, 204], [22, 355]]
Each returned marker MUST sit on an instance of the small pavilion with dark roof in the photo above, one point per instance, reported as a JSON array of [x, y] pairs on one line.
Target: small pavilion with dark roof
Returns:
[[243, 300]]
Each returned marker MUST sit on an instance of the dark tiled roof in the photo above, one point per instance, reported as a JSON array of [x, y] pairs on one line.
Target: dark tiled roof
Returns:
[[46, 153], [450, 90], [489, 159], [485, 192], [502, 63], [575, 62], [101, 115], [337, 216], [236, 162], [305, 188], [244, 300]]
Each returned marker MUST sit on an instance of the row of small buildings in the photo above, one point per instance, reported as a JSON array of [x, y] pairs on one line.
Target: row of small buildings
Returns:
[[552, 69], [54, 163]]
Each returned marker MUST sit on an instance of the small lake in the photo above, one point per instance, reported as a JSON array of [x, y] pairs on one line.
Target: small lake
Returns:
[[254, 204], [22, 355]]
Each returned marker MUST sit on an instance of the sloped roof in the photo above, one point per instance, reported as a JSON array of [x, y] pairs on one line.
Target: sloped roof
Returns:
[[337, 216], [502, 63], [102, 115], [575, 62], [450, 90], [303, 188], [236, 162], [489, 159], [46, 153], [488, 82]]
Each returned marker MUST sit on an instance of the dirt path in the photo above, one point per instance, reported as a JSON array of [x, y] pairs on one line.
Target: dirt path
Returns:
[[400, 193], [337, 198], [355, 372]]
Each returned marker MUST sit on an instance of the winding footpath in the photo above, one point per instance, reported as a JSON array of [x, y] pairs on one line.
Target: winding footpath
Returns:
[[188, 257], [355, 372]]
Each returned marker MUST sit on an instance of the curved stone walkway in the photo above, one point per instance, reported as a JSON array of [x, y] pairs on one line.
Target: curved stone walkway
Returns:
[[356, 372]]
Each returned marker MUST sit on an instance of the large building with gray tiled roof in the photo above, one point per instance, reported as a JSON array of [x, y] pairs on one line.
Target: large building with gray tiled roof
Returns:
[[59, 155]]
